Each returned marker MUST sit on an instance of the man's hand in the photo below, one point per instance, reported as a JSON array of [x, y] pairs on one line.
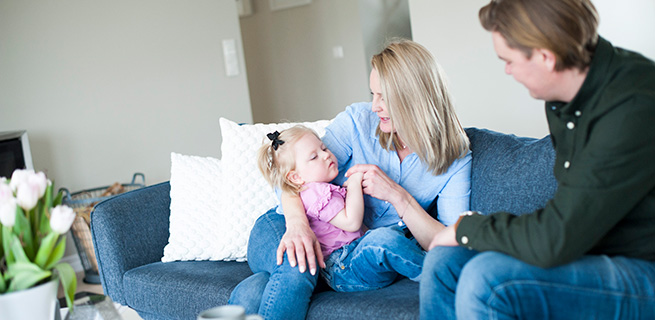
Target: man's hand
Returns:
[[300, 243]]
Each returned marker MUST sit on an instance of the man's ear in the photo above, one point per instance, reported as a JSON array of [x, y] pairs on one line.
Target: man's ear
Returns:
[[295, 178], [548, 57]]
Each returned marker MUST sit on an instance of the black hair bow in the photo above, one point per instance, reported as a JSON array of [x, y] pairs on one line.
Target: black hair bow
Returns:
[[274, 137]]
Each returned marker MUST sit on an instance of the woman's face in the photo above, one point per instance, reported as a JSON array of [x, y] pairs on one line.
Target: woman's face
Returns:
[[379, 105]]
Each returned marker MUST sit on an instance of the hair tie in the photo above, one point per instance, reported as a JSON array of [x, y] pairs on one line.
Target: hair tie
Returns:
[[276, 142]]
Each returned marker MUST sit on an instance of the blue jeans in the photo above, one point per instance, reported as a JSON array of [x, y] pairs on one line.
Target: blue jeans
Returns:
[[374, 261], [274, 292], [458, 282]]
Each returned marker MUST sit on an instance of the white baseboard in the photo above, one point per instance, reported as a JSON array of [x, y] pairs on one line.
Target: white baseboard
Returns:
[[74, 261]]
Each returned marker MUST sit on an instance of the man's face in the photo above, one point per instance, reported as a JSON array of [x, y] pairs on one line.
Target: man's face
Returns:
[[532, 72]]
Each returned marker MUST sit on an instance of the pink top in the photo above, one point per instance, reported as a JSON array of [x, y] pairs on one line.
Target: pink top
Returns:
[[322, 202]]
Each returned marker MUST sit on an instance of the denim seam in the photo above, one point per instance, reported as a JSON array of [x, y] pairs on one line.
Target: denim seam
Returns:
[[268, 300]]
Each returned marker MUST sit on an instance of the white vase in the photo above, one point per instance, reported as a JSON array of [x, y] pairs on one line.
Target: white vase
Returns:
[[34, 303]]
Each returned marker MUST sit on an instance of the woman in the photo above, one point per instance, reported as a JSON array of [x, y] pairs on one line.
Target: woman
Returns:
[[411, 149]]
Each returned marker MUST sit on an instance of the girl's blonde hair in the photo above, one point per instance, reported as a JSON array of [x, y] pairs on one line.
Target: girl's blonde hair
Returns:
[[420, 106], [276, 164]]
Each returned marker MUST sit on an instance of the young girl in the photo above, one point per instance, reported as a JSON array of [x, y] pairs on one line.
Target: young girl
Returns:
[[297, 162]]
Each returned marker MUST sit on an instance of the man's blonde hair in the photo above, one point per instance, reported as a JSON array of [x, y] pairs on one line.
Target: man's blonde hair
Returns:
[[568, 28], [276, 164], [419, 104]]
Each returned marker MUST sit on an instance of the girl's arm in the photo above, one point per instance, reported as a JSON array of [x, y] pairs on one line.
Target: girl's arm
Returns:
[[377, 184], [351, 217], [299, 241]]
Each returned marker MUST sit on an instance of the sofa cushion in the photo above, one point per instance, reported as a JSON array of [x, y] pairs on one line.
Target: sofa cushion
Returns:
[[397, 301], [510, 173], [181, 289]]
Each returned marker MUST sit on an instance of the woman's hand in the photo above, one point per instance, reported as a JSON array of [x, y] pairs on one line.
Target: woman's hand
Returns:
[[299, 241], [376, 183]]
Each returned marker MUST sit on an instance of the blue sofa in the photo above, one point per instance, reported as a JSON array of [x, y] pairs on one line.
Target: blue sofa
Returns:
[[130, 231]]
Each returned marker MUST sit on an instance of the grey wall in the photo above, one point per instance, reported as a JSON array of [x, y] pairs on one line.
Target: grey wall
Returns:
[[109, 88], [382, 20], [484, 95], [292, 72]]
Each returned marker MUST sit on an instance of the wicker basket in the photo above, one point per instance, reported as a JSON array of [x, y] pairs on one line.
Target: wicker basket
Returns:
[[82, 203]]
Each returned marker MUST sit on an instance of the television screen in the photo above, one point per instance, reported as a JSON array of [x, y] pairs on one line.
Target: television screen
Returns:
[[14, 152]]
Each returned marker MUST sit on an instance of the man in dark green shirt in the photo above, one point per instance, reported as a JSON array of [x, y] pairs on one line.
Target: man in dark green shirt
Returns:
[[590, 252]]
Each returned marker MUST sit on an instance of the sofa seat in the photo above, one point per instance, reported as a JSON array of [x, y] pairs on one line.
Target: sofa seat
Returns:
[[130, 231]]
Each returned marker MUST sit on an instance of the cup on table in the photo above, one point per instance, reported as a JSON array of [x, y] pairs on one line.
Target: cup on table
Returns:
[[229, 312]]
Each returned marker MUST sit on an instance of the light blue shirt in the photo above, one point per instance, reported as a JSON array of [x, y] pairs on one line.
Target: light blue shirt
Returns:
[[352, 139]]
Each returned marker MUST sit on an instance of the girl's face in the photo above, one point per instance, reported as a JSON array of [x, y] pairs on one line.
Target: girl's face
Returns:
[[378, 105], [314, 161]]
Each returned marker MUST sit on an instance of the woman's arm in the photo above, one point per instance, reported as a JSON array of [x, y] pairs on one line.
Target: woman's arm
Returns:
[[351, 217], [377, 184], [299, 241]]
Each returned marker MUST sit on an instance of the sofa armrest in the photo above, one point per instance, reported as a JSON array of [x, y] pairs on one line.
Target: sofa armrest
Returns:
[[128, 231]]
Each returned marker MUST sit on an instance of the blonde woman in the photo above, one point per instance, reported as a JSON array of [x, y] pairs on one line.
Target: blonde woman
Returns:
[[412, 152]]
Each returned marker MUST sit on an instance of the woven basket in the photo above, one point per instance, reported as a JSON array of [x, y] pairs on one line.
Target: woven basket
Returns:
[[82, 203]]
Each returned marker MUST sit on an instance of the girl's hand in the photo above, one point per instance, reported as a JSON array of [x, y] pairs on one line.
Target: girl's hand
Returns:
[[355, 178], [376, 183]]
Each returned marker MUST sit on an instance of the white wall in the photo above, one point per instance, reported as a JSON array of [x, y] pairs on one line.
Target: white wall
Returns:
[[485, 96], [109, 88], [292, 73]]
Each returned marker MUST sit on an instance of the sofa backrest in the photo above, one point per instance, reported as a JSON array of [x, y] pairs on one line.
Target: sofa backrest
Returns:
[[510, 173]]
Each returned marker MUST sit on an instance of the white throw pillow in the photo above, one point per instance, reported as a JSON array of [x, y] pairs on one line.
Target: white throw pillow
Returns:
[[246, 194], [196, 229]]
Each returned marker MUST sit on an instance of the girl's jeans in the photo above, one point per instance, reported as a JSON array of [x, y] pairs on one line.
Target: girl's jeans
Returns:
[[374, 261], [282, 292], [464, 284]]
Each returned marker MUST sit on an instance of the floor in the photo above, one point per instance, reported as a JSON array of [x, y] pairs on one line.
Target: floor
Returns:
[[125, 312]]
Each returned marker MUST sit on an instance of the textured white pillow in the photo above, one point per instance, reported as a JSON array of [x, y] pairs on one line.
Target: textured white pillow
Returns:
[[196, 228], [246, 194]]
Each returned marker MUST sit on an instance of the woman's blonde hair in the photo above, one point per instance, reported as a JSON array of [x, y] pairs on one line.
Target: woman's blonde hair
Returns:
[[276, 162], [419, 104]]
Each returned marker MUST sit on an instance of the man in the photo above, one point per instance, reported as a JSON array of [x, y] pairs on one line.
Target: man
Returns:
[[590, 252]]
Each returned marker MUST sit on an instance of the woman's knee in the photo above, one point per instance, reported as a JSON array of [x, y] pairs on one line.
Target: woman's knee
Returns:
[[264, 239]]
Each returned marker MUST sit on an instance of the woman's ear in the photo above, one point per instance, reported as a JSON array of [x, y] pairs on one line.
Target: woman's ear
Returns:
[[295, 178]]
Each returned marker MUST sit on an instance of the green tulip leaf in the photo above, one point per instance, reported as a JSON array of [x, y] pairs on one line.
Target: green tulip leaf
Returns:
[[56, 254], [58, 199], [3, 283], [45, 250], [23, 229], [17, 251], [68, 282], [25, 275]]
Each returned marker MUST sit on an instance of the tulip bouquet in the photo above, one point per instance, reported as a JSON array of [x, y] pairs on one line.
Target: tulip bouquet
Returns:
[[33, 227]]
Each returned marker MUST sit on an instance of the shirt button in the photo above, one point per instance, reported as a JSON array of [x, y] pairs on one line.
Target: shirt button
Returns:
[[343, 267], [570, 125], [578, 113], [567, 164], [400, 223], [465, 240]]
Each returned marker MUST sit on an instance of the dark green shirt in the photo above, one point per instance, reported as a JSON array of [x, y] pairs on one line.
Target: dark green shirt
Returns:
[[605, 167]]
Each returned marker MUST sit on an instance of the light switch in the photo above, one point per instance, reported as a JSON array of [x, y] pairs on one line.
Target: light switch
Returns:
[[230, 57], [337, 52]]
